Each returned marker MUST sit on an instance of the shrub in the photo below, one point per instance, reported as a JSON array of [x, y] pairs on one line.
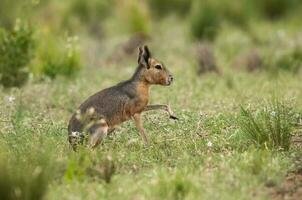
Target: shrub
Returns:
[[236, 12], [289, 61], [139, 19], [270, 127], [173, 186], [9, 10], [21, 178], [204, 21], [16, 52], [133, 15], [206, 59], [90, 13], [162, 8], [59, 58], [207, 16], [17, 184], [83, 165], [273, 9]]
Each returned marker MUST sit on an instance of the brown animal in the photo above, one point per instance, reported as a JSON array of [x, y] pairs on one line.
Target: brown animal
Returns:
[[103, 111]]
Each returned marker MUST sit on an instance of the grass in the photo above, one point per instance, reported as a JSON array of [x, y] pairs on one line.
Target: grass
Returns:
[[271, 127], [202, 156]]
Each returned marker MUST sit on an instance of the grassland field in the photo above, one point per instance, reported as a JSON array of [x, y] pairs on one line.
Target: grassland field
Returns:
[[204, 155]]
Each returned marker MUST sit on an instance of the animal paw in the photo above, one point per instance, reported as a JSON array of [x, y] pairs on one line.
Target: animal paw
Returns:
[[174, 117]]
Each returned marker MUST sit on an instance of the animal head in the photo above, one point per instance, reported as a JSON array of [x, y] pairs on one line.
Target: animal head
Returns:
[[154, 71]]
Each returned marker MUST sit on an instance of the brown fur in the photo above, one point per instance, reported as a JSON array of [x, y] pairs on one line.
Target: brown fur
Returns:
[[101, 112]]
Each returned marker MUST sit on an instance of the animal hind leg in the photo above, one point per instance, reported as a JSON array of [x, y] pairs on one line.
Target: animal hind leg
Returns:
[[98, 133]]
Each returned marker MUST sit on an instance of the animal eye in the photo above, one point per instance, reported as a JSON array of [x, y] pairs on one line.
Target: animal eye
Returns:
[[158, 67]]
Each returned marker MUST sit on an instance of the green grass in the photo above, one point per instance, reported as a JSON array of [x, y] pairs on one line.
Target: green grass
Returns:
[[271, 127], [202, 156]]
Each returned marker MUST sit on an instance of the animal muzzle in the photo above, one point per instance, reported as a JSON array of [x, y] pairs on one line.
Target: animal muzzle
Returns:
[[170, 80]]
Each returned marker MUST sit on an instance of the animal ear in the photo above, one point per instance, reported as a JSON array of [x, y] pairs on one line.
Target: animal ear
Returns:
[[143, 56], [147, 52], [140, 52]]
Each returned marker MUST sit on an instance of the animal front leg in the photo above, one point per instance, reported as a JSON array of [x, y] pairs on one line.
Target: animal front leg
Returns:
[[139, 126], [161, 107]]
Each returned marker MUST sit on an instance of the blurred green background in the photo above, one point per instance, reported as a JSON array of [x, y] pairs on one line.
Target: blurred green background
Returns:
[[50, 38], [237, 91]]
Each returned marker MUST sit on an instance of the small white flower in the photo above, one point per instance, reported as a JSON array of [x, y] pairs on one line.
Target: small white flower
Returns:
[[209, 144], [273, 114], [11, 99]]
